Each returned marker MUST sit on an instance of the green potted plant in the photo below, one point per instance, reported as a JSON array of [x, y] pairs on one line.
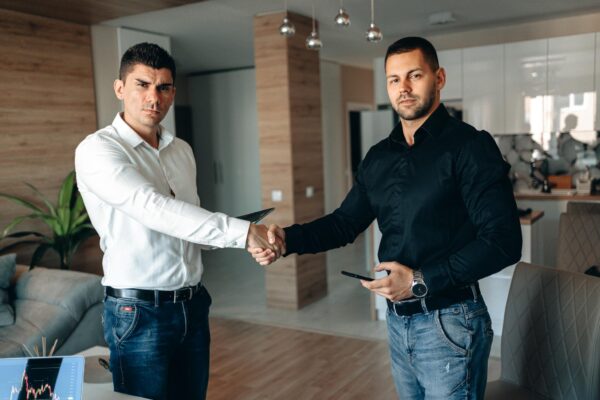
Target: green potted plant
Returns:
[[68, 221]]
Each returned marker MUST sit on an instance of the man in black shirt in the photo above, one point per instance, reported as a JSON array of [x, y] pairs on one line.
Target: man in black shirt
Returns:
[[444, 204]]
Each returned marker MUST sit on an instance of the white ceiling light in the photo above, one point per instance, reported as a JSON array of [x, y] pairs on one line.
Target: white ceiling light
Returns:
[[287, 28], [313, 42], [374, 34], [342, 18], [441, 18]]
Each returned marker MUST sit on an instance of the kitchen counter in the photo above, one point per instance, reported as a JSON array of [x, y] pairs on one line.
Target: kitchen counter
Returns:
[[531, 218], [557, 194]]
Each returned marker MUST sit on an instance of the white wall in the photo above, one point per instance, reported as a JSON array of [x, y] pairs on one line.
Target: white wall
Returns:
[[225, 125]]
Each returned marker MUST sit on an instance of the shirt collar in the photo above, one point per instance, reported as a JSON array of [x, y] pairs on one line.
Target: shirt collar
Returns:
[[433, 126], [132, 138]]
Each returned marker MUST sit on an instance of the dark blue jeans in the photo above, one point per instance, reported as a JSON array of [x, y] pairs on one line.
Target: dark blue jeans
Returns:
[[441, 354], [159, 351]]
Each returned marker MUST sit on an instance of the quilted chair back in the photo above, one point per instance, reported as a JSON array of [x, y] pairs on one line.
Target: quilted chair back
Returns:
[[551, 335], [583, 207], [579, 239]]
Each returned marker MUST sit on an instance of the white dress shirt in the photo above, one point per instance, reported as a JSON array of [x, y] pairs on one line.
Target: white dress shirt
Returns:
[[150, 238]]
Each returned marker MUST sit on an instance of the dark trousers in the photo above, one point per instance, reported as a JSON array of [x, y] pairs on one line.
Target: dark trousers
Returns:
[[162, 351]]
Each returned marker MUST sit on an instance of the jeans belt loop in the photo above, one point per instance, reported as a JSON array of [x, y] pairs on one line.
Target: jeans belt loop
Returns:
[[424, 305], [156, 298], [474, 291]]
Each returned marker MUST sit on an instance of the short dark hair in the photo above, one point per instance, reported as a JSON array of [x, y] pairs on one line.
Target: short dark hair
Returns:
[[148, 54], [411, 43]]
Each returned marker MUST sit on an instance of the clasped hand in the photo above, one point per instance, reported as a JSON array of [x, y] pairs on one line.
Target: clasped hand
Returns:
[[266, 244], [270, 247]]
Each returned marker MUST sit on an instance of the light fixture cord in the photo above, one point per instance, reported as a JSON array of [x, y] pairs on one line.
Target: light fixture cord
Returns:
[[313, 12], [372, 11], [285, 7]]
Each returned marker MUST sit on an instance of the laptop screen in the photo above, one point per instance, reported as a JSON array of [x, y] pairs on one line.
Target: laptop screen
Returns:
[[41, 378]]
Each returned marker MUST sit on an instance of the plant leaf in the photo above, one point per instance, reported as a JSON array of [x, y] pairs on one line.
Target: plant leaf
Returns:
[[16, 244], [83, 218], [53, 223], [38, 254], [21, 202], [64, 219], [79, 207], [49, 205], [66, 191], [24, 233], [16, 222]]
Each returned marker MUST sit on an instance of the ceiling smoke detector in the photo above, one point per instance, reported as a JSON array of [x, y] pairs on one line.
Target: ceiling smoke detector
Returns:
[[441, 18]]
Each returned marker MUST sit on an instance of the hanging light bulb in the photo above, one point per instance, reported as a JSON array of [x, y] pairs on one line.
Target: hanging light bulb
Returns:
[[374, 34], [287, 29], [313, 42], [342, 18]]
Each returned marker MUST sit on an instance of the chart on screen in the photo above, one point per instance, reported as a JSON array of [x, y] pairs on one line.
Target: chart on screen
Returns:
[[41, 378]]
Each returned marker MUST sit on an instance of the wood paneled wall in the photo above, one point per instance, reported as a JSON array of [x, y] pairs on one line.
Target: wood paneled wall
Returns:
[[47, 107], [289, 121]]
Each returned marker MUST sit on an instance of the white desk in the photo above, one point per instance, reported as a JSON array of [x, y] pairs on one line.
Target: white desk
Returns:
[[101, 391]]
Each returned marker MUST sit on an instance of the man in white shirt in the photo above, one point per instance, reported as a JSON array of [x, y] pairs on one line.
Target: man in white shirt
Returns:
[[138, 182]]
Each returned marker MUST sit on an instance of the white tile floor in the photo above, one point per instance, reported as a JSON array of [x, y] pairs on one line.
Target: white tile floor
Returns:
[[237, 286]]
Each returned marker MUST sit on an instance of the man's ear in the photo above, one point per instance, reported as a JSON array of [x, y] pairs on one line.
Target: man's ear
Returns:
[[118, 85], [440, 78]]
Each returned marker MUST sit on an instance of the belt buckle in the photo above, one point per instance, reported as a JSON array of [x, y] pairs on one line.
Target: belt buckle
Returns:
[[189, 297]]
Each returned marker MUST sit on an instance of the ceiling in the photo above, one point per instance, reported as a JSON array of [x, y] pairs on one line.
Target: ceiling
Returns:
[[88, 11], [218, 34]]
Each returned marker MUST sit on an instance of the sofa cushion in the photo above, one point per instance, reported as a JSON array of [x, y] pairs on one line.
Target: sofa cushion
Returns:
[[49, 303], [73, 291], [7, 270]]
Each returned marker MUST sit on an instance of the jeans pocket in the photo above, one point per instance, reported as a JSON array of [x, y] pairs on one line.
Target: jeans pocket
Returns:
[[453, 331], [126, 315]]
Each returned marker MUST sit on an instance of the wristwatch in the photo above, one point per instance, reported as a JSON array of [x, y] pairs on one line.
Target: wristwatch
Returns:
[[418, 287]]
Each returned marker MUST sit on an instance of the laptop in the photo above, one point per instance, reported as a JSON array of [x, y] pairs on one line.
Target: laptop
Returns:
[[42, 378]]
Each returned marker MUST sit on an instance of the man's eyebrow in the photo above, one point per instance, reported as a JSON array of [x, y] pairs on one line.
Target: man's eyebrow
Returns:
[[142, 81], [408, 73]]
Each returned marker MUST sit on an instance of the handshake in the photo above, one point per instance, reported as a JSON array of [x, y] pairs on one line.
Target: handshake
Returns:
[[266, 244]]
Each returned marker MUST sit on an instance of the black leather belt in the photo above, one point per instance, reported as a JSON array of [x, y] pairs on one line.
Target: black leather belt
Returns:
[[434, 302], [173, 296]]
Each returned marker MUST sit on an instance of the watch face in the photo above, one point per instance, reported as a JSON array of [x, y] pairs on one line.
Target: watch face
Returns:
[[419, 289]]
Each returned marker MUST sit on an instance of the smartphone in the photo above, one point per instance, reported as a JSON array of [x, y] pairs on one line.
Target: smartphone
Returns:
[[357, 276]]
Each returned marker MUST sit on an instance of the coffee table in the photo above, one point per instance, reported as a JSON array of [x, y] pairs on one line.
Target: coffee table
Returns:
[[104, 390]]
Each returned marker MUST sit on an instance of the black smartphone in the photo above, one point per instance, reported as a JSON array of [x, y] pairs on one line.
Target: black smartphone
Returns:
[[357, 276]]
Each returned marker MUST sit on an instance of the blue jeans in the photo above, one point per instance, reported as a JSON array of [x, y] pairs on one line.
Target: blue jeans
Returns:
[[159, 351], [441, 354]]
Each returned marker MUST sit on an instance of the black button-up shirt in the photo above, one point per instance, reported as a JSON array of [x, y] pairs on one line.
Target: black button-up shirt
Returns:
[[444, 205]]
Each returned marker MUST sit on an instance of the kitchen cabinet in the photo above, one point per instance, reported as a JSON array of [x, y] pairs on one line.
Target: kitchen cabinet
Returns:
[[525, 82], [570, 82], [483, 87], [451, 61]]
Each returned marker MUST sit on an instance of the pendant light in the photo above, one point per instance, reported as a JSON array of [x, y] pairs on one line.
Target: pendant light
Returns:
[[287, 29], [313, 42], [374, 34], [342, 18]]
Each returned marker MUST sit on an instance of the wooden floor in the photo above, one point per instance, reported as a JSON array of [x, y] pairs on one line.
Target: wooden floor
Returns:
[[251, 362]]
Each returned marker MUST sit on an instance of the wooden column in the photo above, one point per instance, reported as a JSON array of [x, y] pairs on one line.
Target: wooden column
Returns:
[[291, 159]]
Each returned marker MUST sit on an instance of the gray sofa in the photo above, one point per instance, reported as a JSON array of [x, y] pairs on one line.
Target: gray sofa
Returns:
[[56, 304]]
